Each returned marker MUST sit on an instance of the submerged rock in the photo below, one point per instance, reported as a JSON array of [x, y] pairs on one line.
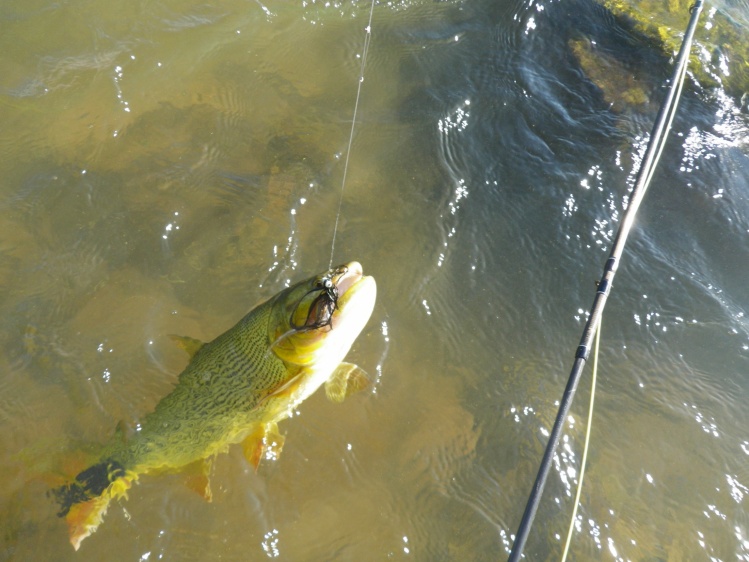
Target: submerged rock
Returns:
[[720, 55], [622, 87]]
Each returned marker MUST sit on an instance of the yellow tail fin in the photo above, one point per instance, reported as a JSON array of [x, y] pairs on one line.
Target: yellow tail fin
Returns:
[[84, 501], [84, 518]]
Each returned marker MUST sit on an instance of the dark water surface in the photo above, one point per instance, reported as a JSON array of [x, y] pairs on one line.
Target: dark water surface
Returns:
[[166, 166]]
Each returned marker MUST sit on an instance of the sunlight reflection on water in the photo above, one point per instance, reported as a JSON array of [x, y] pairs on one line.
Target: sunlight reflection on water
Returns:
[[166, 169]]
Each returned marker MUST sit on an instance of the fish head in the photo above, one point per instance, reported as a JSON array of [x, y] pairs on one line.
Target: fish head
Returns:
[[317, 320]]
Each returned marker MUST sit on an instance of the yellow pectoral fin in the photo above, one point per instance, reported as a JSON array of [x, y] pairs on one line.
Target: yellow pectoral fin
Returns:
[[265, 442], [197, 477], [346, 380], [190, 345]]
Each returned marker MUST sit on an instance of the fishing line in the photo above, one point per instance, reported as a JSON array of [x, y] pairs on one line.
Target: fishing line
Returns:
[[365, 52], [584, 460], [655, 147]]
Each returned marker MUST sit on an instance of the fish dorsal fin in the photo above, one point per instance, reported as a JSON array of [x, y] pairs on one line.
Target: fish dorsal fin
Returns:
[[190, 345], [346, 380]]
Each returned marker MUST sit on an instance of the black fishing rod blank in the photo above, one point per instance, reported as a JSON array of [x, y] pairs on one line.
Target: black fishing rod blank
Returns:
[[655, 147]]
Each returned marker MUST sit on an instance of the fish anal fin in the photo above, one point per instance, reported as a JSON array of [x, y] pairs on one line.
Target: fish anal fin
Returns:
[[273, 442], [190, 345], [198, 478], [347, 379], [252, 446], [265, 442], [84, 518]]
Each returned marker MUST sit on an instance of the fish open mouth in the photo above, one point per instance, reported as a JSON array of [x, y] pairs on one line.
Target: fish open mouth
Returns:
[[356, 297], [328, 289], [351, 275], [326, 318], [336, 290]]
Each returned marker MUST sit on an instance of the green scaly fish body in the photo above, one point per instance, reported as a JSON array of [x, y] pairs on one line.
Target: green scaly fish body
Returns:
[[235, 389], [221, 394]]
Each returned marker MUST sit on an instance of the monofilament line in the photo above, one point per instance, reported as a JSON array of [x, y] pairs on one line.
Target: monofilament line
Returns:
[[365, 51]]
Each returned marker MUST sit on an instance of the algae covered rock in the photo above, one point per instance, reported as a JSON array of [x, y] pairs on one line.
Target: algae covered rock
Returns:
[[720, 55]]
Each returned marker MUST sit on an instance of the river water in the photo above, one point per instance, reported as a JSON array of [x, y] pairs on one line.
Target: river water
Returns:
[[166, 166]]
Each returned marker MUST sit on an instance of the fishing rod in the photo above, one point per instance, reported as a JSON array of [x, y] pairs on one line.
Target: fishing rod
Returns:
[[644, 175]]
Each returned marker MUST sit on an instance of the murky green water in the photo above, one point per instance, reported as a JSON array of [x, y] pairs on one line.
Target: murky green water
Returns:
[[167, 166]]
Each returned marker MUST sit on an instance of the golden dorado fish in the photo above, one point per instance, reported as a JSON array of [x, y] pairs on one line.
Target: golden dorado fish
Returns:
[[235, 390]]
